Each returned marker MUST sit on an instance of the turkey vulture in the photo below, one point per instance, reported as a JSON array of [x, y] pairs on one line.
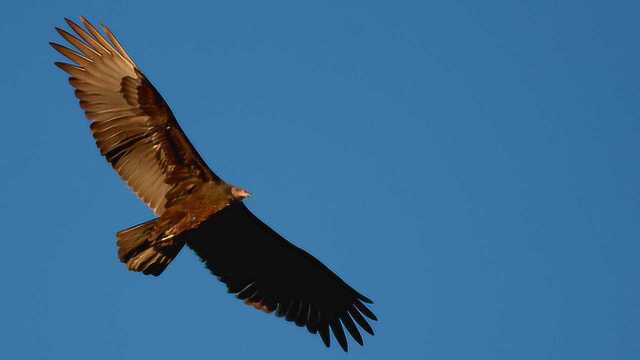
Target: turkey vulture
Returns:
[[138, 134]]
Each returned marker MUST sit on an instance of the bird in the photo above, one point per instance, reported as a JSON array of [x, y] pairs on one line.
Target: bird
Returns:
[[138, 134]]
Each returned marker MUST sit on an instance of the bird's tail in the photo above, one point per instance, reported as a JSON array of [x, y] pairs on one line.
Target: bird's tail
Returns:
[[146, 248]]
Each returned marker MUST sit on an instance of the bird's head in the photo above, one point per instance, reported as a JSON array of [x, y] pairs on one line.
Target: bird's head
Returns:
[[239, 193]]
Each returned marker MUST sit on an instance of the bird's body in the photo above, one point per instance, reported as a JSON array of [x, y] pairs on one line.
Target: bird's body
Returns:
[[151, 246], [136, 131]]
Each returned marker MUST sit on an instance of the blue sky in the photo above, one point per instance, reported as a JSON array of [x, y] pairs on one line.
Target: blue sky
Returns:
[[470, 166]]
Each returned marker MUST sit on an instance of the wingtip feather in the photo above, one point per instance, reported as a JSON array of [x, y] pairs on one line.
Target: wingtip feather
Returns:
[[355, 314], [323, 329], [351, 327], [365, 299], [338, 333], [365, 311], [70, 22]]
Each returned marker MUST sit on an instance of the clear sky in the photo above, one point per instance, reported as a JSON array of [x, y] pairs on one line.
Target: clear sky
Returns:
[[470, 166]]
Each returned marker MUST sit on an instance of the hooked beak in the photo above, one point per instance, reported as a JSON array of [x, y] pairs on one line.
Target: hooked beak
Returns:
[[239, 193]]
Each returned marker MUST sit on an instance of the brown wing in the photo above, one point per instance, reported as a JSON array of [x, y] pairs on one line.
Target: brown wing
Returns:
[[133, 126], [271, 274]]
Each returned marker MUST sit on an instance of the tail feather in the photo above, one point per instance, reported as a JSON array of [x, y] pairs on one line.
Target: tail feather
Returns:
[[145, 248]]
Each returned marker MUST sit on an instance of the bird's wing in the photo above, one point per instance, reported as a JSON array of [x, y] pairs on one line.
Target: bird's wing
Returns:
[[271, 274], [133, 126]]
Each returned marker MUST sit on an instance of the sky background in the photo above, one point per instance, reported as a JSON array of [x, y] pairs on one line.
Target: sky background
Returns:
[[470, 166]]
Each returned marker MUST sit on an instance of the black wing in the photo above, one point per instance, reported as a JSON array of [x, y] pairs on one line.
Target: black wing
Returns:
[[271, 274]]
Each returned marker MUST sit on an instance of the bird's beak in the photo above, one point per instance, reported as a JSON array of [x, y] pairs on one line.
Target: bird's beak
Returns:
[[239, 193]]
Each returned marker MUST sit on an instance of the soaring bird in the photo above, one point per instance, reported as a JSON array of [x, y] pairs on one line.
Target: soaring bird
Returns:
[[136, 131]]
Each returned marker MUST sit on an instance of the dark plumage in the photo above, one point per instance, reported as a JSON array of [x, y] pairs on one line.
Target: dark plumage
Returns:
[[139, 136]]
